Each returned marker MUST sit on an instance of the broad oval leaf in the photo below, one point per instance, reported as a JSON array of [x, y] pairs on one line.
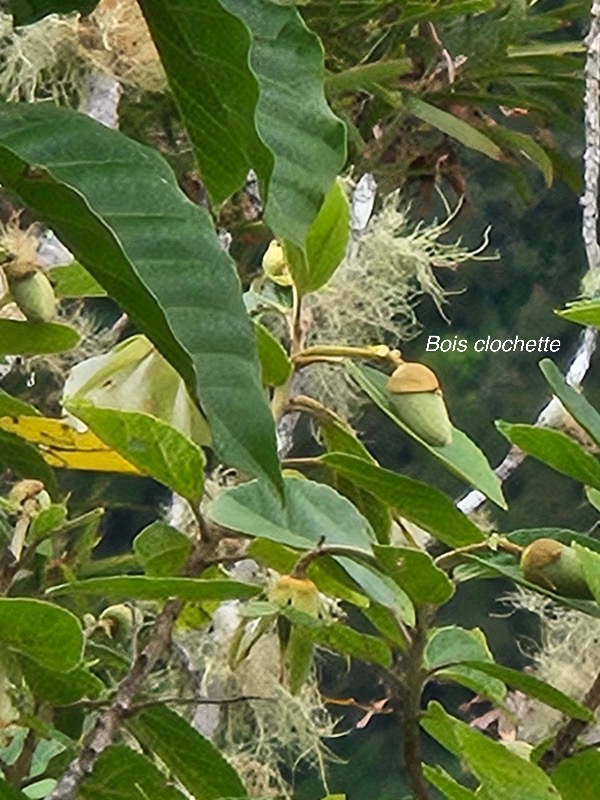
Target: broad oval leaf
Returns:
[[578, 777], [502, 774], [449, 647], [261, 107], [35, 338], [326, 243], [116, 205], [276, 367], [154, 447], [462, 456], [416, 573], [427, 507], [192, 759], [141, 587], [123, 774], [42, 631], [162, 550], [57, 687], [312, 511], [555, 449]]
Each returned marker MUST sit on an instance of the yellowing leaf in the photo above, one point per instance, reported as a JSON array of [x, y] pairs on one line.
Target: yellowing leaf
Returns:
[[62, 446]]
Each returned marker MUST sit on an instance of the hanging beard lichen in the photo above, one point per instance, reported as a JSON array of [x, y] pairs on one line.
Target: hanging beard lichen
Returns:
[[52, 59], [372, 295], [268, 739], [41, 61]]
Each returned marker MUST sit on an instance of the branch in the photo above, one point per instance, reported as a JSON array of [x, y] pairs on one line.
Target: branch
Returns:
[[108, 723]]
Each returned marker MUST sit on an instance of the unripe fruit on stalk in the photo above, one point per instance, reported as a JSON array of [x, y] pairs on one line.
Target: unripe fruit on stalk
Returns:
[[555, 566], [275, 265], [294, 641], [35, 296], [415, 393], [119, 620], [300, 593]]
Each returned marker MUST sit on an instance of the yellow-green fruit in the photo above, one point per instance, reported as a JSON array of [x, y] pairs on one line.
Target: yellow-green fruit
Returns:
[[118, 620], [35, 297], [415, 393], [555, 566], [300, 593], [426, 414]]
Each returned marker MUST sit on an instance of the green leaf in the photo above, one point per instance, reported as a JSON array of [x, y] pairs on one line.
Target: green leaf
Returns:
[[555, 449], [590, 561], [449, 646], [151, 445], [13, 407], [593, 496], [59, 688], [48, 521], [35, 338], [140, 587], [339, 437], [503, 775], [19, 456], [416, 573], [122, 774], [73, 280], [162, 550], [534, 687], [427, 507], [380, 588], [311, 511], [276, 367], [326, 243], [575, 403], [525, 144], [41, 631], [192, 759], [453, 126], [578, 777], [341, 638], [262, 106], [585, 312], [446, 784], [462, 456], [156, 253]]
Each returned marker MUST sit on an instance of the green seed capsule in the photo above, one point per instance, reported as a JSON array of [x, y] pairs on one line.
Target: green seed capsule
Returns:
[[35, 297], [555, 566], [425, 413]]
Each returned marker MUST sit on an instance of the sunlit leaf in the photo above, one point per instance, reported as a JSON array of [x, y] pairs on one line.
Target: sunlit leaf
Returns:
[[192, 759], [154, 447], [35, 338]]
